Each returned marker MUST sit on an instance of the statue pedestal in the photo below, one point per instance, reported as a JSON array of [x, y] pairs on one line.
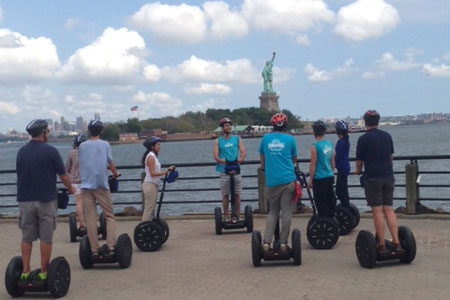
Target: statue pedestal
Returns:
[[269, 101]]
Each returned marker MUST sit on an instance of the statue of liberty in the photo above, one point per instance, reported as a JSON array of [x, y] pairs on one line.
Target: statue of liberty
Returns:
[[267, 75]]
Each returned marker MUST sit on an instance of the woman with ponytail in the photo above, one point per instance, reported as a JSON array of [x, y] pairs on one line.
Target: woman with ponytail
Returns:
[[342, 162]]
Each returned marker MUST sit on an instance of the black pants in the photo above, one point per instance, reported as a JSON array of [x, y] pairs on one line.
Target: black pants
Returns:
[[342, 189], [324, 197]]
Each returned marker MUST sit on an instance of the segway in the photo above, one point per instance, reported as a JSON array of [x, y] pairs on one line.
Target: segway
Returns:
[[232, 168], [122, 253], [322, 232], [368, 255], [76, 232], [348, 218], [151, 235], [275, 252], [57, 281]]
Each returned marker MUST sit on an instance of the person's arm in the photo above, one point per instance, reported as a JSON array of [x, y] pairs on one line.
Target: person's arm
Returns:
[[66, 181], [69, 163], [312, 165], [241, 151], [262, 161], [358, 166], [333, 164], [216, 152], [359, 157], [113, 169], [294, 160]]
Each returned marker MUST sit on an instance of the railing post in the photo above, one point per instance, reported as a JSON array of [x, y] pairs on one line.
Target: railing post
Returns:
[[142, 193], [412, 190], [262, 196]]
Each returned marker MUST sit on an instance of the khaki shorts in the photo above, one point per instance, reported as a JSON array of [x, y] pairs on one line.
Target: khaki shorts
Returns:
[[225, 184], [379, 191], [37, 220]]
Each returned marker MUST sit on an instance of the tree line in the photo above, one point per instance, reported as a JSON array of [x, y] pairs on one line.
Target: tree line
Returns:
[[196, 122]]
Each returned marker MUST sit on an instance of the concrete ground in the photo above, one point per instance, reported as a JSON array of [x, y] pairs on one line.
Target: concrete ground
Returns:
[[195, 263]]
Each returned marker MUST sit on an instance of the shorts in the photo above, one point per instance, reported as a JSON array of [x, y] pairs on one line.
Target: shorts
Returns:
[[379, 191], [225, 184], [77, 187], [37, 220]]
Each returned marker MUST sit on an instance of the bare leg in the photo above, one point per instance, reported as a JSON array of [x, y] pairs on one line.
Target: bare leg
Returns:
[[237, 204], [80, 216], [26, 255], [378, 221], [46, 252], [225, 204], [391, 220]]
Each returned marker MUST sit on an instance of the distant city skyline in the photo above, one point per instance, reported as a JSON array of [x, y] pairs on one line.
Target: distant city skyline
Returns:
[[333, 58]]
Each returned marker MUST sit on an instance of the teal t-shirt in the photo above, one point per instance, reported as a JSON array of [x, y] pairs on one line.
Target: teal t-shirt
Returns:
[[278, 149], [228, 150], [324, 150]]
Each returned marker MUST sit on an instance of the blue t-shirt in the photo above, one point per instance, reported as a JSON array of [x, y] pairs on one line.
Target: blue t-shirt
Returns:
[[324, 150], [375, 148], [278, 149], [37, 164], [341, 156], [228, 150], [93, 157]]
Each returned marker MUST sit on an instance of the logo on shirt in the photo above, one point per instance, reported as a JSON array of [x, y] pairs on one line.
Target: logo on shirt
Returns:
[[227, 145], [327, 150], [276, 145]]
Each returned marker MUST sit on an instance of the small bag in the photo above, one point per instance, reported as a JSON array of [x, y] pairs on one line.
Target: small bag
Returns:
[[298, 191], [232, 167], [172, 177], [63, 198], [113, 184]]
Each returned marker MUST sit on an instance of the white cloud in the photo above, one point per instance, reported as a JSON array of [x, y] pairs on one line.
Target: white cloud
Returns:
[[71, 22], [114, 57], [302, 40], [24, 60], [158, 104], [210, 103], [171, 23], [197, 69], [373, 75], [8, 108], [207, 88], [38, 96], [317, 75], [366, 19], [290, 17], [388, 62], [224, 23], [442, 70], [151, 73]]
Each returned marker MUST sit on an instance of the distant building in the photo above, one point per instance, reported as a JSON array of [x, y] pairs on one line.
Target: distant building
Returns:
[[151, 132], [79, 123], [97, 116], [128, 137]]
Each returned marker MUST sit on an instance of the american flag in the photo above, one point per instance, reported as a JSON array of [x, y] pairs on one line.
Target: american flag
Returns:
[[134, 108]]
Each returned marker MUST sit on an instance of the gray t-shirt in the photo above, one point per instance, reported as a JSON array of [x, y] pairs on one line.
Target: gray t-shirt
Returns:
[[93, 157]]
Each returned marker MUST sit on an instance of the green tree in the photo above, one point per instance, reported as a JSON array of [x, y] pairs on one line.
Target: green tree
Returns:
[[111, 132], [133, 125]]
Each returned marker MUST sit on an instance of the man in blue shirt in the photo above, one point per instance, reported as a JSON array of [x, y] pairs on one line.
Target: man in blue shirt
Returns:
[[374, 151], [226, 148], [278, 156], [95, 157], [37, 165]]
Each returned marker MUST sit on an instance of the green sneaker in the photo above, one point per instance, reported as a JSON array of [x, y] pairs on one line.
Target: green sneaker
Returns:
[[42, 276], [24, 276]]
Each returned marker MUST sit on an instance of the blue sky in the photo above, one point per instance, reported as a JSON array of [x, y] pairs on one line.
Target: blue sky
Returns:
[[334, 58]]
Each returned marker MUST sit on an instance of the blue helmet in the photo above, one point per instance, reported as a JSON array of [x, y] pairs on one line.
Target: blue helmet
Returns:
[[319, 128], [78, 139], [95, 127], [151, 141], [341, 127]]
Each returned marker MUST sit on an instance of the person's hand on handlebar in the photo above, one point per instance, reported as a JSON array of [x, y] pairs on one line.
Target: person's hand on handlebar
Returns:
[[71, 189], [169, 169]]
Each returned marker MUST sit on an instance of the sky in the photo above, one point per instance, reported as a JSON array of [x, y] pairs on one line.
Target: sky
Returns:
[[333, 58]]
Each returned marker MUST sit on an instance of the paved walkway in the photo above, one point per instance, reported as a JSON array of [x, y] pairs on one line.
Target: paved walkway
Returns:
[[197, 264]]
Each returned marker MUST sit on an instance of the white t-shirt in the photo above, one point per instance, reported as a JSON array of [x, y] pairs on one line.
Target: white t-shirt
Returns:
[[148, 177]]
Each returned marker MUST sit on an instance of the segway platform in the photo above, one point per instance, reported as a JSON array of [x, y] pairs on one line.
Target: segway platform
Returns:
[[368, 254], [57, 281]]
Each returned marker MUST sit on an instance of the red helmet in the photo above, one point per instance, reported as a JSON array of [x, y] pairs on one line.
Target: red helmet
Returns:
[[225, 120], [279, 120], [370, 113]]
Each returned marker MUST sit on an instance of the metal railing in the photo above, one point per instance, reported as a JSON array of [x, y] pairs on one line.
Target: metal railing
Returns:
[[354, 189]]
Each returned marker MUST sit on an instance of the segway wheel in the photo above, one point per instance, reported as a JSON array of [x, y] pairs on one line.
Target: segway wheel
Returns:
[[102, 226], [296, 247], [124, 251], [165, 228], [408, 243], [218, 219], [248, 218], [345, 219], [256, 248], [12, 277], [58, 280], [85, 253], [356, 216], [148, 236], [73, 228], [366, 249], [322, 233]]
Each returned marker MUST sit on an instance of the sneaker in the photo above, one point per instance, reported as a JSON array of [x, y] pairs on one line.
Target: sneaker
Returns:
[[228, 218], [24, 276], [266, 247], [398, 248], [234, 220], [42, 276], [382, 249], [283, 247]]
